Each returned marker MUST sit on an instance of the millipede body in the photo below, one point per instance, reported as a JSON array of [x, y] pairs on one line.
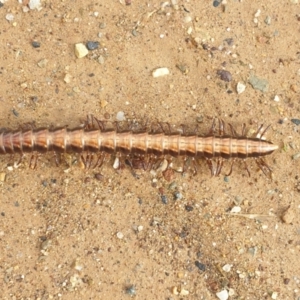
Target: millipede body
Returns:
[[135, 143]]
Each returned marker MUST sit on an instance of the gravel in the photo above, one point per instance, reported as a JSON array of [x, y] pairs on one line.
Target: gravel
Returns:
[[92, 45], [259, 83], [224, 75]]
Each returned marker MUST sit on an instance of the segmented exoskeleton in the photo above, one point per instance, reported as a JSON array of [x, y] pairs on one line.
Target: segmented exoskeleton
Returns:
[[137, 145]]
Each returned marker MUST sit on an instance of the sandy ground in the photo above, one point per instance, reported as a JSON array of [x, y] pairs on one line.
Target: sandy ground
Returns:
[[68, 233]]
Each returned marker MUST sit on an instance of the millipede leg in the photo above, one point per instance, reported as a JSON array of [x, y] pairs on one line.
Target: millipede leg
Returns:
[[100, 124], [33, 161], [243, 129], [246, 167], [231, 168], [87, 160], [20, 159], [258, 132], [185, 164], [212, 130], [264, 167], [99, 161], [221, 127], [262, 134], [211, 167], [219, 167], [232, 130], [195, 167], [161, 125], [57, 158]]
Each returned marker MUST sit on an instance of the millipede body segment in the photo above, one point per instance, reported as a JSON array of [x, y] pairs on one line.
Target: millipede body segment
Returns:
[[135, 143]]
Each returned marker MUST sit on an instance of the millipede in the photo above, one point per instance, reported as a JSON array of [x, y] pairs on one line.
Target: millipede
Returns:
[[142, 147]]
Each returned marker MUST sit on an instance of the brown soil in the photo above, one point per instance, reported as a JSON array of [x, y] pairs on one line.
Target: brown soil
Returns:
[[60, 227]]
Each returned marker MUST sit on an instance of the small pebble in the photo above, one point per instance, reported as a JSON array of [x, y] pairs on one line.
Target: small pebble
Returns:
[[164, 199], [116, 163], [240, 88], [120, 235], [175, 290], [121, 116], [2, 177], [35, 44], [296, 121], [276, 98], [288, 216], [274, 295], [259, 83], [226, 178], [268, 20], [160, 72], [236, 209], [130, 290], [187, 19], [216, 3], [102, 25], [101, 59], [189, 208], [92, 45], [296, 156], [99, 176], [200, 266], [35, 4], [183, 292], [9, 17], [177, 196], [294, 88], [229, 41], [77, 265], [224, 75], [227, 268], [67, 78], [223, 295], [15, 112], [43, 63], [81, 50], [257, 14], [183, 68]]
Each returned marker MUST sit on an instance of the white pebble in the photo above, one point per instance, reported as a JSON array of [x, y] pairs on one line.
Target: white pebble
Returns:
[[223, 295], [227, 268], [187, 19], [116, 164], [9, 17], [160, 72], [190, 30], [257, 14], [121, 116], [236, 209], [81, 50], [120, 235], [35, 4], [67, 78], [274, 295], [276, 98], [140, 228], [240, 88]]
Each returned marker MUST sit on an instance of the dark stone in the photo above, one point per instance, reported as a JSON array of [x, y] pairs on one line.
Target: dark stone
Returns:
[[92, 45]]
